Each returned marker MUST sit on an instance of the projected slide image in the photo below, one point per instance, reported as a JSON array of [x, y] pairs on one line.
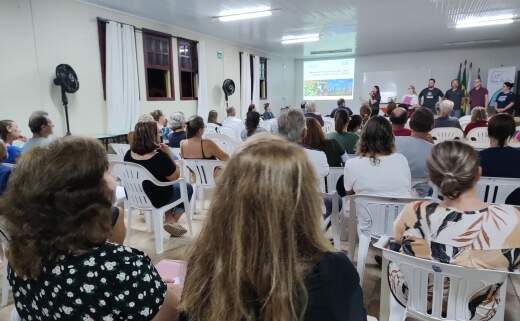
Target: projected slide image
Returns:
[[325, 88], [328, 79]]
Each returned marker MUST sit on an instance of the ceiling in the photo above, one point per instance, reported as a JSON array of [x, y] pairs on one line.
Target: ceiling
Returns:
[[366, 27]]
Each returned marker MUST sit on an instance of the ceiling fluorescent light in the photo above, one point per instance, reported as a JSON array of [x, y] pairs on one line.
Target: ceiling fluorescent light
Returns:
[[485, 21], [242, 14], [286, 40]]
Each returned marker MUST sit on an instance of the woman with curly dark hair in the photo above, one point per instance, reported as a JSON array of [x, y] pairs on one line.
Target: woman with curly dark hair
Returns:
[[57, 209], [378, 169]]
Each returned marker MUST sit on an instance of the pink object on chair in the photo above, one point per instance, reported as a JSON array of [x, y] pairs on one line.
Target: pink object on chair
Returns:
[[171, 270]]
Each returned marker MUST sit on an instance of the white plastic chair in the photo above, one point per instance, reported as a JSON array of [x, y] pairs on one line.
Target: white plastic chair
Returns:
[[120, 149], [374, 217], [332, 179], [478, 138], [229, 132], [464, 121], [204, 172], [212, 128], [495, 190], [328, 125], [267, 124], [424, 278], [226, 143], [442, 134], [4, 239], [131, 176]]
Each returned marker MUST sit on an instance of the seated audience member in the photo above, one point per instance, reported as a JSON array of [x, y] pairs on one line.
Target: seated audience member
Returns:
[[444, 119], [302, 276], [195, 147], [461, 229], [61, 266], [268, 112], [213, 118], [159, 117], [417, 147], [501, 160], [9, 132], [147, 151], [390, 107], [478, 119], [398, 118], [178, 130], [233, 122], [252, 122], [292, 126], [251, 108], [355, 124], [340, 105], [365, 112], [315, 139], [311, 112], [378, 169], [5, 171], [41, 126], [346, 139]]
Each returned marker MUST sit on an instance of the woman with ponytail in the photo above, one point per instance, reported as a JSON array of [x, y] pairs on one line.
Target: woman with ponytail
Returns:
[[460, 229]]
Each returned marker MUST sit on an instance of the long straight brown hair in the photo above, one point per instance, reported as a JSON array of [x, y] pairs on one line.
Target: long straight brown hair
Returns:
[[261, 237]]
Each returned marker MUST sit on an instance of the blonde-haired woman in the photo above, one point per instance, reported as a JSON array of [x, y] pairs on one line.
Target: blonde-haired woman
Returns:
[[261, 254], [411, 98], [478, 119]]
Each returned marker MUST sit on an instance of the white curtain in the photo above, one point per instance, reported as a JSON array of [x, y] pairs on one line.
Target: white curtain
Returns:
[[202, 104], [122, 89], [256, 82], [245, 83]]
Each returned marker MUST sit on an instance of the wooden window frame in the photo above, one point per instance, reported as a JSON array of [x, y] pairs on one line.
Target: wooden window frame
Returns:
[[194, 66], [153, 33], [102, 39]]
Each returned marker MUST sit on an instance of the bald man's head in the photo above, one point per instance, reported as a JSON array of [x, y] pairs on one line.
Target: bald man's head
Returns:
[[399, 116]]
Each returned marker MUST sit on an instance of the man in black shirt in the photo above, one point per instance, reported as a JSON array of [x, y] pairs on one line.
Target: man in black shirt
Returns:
[[455, 95], [430, 96]]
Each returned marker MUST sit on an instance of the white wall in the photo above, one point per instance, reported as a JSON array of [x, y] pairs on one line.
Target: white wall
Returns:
[[444, 65], [37, 35]]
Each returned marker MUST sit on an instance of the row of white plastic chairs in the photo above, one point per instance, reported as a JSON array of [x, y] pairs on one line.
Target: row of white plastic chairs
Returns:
[[476, 137]]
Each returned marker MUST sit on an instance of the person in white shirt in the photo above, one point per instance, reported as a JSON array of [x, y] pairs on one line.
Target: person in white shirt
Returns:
[[42, 127], [292, 126], [233, 122], [377, 169]]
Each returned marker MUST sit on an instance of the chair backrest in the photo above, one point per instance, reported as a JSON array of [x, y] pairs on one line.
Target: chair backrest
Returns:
[[131, 176], [120, 149], [114, 158], [328, 125], [211, 128], [464, 121], [229, 132], [478, 137], [203, 169], [226, 143], [376, 214], [495, 190], [428, 281], [176, 152], [442, 134], [331, 180]]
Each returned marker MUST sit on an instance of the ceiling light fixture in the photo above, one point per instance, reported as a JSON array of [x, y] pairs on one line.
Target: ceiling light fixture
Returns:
[[286, 40], [485, 21], [243, 14]]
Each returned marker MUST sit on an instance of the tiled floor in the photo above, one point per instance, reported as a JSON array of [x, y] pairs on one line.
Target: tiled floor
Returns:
[[175, 248]]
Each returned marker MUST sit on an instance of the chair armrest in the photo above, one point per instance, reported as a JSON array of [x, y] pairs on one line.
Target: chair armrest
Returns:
[[382, 243], [170, 183]]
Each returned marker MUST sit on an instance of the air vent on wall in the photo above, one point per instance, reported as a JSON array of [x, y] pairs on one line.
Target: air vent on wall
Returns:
[[471, 43], [327, 52]]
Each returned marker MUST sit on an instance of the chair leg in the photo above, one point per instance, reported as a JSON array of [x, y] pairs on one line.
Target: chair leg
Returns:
[[193, 203], [336, 227], [158, 221], [187, 207], [364, 244], [128, 219], [148, 220], [5, 283]]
